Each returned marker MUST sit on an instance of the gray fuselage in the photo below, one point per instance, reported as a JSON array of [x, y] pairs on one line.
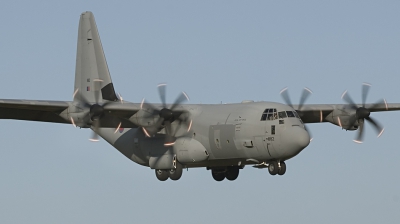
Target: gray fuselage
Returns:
[[232, 134]]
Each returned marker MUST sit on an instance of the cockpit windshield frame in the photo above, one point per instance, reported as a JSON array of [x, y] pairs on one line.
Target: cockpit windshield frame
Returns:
[[269, 114]]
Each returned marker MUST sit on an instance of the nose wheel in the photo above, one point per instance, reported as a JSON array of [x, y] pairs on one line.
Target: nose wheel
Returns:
[[277, 168]]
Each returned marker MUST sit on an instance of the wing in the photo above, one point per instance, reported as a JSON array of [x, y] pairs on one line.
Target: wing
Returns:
[[117, 114], [315, 113], [33, 110], [57, 112]]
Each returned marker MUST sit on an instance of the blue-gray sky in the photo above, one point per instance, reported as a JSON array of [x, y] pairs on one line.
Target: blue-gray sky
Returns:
[[225, 51]]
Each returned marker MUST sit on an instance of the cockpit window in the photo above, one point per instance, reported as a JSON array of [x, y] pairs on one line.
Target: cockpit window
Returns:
[[296, 114], [282, 114], [269, 114], [290, 114]]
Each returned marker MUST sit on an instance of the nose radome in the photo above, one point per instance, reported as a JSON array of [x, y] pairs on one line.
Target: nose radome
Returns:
[[294, 139], [302, 138]]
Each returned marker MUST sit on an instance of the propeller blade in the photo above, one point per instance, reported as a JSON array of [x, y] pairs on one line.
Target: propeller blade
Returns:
[[153, 111], [285, 95], [380, 104], [73, 122], [180, 99], [304, 95], [309, 133], [152, 130], [118, 127], [378, 128], [120, 98], [162, 92], [165, 116], [364, 92], [95, 126], [80, 98], [95, 137], [352, 120], [346, 97], [169, 139], [183, 121], [360, 134]]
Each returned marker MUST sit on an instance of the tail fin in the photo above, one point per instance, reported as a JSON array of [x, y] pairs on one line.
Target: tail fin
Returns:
[[91, 75]]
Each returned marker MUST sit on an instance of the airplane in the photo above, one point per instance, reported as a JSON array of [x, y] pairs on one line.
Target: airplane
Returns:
[[168, 138]]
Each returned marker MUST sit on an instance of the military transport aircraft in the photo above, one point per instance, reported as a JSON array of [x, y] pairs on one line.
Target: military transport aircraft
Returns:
[[169, 137]]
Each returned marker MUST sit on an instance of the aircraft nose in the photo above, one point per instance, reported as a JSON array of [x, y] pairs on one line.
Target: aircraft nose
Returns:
[[295, 139], [301, 137]]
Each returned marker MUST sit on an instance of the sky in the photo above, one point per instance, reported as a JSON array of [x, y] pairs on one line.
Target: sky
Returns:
[[216, 51]]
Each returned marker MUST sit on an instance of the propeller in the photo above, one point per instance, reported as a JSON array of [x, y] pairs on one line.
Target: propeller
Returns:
[[306, 93], [95, 110], [363, 113], [167, 115], [304, 96]]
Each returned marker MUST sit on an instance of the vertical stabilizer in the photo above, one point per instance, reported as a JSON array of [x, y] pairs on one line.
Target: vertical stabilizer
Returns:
[[92, 77]]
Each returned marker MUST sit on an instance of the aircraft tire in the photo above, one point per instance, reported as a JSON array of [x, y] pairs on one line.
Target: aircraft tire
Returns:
[[282, 169], [162, 175], [176, 174], [273, 168], [232, 173], [218, 176]]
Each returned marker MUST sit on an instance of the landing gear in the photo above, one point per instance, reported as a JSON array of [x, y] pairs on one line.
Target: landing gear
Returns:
[[162, 175], [275, 168], [282, 169], [231, 173], [175, 174], [218, 175]]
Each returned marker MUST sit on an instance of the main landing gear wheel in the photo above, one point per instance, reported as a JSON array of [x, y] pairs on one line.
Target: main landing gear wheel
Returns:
[[273, 168], [218, 175], [162, 175], [282, 169], [175, 174], [232, 173]]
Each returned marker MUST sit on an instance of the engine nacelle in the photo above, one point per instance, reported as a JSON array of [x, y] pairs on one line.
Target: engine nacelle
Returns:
[[341, 118], [164, 162], [189, 150], [143, 118]]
